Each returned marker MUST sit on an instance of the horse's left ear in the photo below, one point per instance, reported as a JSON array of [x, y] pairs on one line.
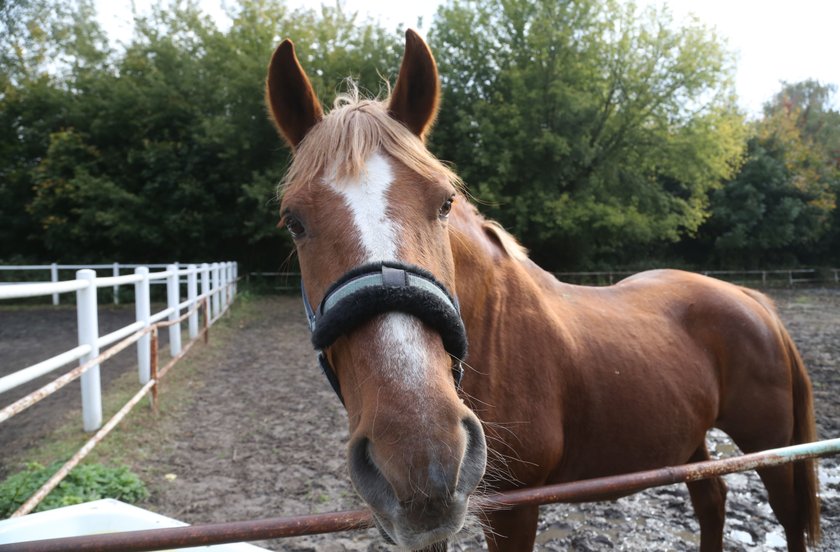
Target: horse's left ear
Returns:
[[414, 101]]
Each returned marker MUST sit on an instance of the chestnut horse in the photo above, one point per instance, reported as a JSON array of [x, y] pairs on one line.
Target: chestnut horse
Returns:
[[564, 382]]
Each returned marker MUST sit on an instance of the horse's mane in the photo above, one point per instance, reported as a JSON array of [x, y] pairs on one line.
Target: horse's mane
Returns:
[[340, 144], [507, 242]]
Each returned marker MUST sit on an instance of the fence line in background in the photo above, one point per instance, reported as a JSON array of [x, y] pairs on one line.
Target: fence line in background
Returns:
[[290, 281], [54, 268], [86, 284], [764, 278], [215, 300], [151, 385]]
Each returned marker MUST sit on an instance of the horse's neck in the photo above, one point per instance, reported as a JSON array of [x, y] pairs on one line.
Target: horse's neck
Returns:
[[509, 304]]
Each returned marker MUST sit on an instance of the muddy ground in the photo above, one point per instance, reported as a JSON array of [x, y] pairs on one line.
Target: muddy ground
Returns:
[[269, 441]]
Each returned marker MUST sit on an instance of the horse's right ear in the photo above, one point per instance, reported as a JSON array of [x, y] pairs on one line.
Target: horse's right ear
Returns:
[[289, 95]]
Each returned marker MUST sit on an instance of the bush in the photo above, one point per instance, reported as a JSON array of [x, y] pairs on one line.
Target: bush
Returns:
[[85, 483]]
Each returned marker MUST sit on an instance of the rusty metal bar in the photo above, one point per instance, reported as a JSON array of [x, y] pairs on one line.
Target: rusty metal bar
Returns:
[[22, 404], [577, 491], [35, 499], [206, 306], [33, 398], [50, 388], [201, 535], [604, 488], [153, 367]]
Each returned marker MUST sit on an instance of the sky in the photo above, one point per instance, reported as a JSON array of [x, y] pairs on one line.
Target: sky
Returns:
[[774, 40]]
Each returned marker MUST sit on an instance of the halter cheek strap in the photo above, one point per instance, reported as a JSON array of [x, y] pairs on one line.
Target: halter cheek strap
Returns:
[[378, 288]]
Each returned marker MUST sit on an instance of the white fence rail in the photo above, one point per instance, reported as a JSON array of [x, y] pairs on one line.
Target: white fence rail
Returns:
[[54, 273], [218, 286]]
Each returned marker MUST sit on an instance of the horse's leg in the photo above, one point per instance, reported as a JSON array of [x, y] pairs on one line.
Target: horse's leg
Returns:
[[781, 492], [708, 497], [785, 496], [511, 530]]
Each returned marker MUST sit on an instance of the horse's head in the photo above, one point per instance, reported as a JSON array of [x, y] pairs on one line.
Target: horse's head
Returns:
[[363, 190]]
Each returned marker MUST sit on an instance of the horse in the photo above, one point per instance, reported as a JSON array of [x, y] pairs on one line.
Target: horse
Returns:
[[400, 272]]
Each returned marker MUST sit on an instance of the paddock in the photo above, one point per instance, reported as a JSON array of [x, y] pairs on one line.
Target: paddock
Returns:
[[275, 446]]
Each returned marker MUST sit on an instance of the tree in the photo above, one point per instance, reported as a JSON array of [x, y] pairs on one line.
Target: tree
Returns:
[[780, 208], [162, 150], [41, 43], [593, 130]]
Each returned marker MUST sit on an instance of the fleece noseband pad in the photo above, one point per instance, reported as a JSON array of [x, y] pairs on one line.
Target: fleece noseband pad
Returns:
[[377, 288]]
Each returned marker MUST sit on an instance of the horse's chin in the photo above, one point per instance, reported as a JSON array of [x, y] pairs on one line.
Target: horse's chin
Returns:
[[421, 533]]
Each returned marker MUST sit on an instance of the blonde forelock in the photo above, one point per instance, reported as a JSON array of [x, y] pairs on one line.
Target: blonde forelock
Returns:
[[340, 144]]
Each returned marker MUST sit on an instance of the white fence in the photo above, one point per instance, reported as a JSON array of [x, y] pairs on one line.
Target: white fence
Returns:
[[55, 270], [218, 288]]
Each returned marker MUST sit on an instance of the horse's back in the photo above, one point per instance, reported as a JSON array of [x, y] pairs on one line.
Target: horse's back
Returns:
[[659, 359]]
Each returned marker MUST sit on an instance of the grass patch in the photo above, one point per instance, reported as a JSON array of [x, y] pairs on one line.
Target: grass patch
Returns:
[[83, 484], [139, 438]]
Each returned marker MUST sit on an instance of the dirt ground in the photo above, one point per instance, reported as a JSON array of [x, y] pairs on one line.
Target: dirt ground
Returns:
[[32, 334], [261, 434]]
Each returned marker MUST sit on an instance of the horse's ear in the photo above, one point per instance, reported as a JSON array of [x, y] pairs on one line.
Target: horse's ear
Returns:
[[414, 101], [289, 95]]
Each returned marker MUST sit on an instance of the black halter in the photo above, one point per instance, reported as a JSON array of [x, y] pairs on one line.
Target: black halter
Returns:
[[377, 288]]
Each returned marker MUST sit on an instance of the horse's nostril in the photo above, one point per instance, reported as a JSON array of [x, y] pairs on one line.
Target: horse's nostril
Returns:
[[475, 457], [368, 480]]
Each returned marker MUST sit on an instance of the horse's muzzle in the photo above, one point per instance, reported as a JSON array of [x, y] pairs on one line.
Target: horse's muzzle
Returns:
[[425, 500]]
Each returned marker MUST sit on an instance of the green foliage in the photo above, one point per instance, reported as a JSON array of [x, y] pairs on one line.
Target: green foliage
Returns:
[[593, 129], [85, 482], [163, 150], [598, 132], [781, 207]]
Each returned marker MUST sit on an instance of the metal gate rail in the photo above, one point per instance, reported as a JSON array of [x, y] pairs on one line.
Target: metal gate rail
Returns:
[[577, 491]]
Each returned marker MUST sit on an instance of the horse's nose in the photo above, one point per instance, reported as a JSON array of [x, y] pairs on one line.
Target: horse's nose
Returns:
[[423, 496]]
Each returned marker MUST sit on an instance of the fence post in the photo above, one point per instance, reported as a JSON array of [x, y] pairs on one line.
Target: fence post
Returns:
[[205, 281], [54, 278], [234, 267], [231, 281], [116, 287], [215, 279], [87, 315], [225, 277], [172, 300], [142, 308], [223, 289], [192, 292], [205, 287]]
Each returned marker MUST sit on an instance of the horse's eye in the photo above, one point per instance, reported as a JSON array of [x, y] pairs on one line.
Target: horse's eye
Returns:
[[446, 207], [294, 227]]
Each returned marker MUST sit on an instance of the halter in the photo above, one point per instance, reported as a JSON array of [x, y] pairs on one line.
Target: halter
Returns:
[[377, 288]]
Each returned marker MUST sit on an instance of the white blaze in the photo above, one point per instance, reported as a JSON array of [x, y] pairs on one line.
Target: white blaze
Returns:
[[367, 199]]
